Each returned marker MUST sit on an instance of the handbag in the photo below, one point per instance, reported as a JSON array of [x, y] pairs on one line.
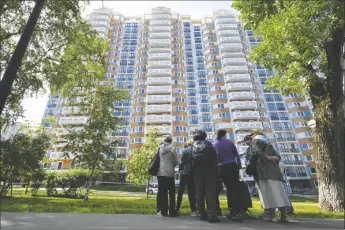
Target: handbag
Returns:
[[154, 164], [251, 168]]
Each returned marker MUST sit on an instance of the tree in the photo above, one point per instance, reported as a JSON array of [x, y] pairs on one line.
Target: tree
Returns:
[[137, 168], [302, 41], [21, 157], [89, 144], [57, 26]]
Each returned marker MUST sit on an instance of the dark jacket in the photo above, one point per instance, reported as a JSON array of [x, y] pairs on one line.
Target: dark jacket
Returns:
[[186, 161], [204, 155]]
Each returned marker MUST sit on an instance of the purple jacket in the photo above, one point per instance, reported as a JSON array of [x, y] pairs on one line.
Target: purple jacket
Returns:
[[226, 151]]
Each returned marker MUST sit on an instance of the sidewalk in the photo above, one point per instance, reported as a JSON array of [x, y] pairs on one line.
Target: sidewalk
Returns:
[[55, 221]]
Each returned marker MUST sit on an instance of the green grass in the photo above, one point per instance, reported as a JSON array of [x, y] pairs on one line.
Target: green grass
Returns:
[[124, 203], [119, 188]]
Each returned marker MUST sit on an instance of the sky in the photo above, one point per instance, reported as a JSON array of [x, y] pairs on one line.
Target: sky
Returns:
[[34, 107]]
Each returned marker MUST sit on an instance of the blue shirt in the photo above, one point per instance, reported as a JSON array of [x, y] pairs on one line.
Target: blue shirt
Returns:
[[226, 151]]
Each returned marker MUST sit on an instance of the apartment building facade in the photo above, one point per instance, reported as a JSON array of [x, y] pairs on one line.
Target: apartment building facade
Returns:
[[185, 74]]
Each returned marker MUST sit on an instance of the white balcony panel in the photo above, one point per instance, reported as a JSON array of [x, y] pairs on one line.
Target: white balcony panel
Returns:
[[64, 131], [159, 72], [237, 78], [247, 125], [226, 40], [242, 149], [160, 35], [158, 108], [157, 29], [158, 81], [161, 16], [72, 120], [162, 129], [158, 119], [237, 105], [159, 64], [208, 31], [159, 43], [231, 47], [233, 55], [158, 99], [159, 89], [245, 115], [245, 86], [159, 56], [236, 69], [224, 14], [227, 33], [162, 50], [161, 22], [239, 136], [234, 61], [55, 155], [227, 20], [234, 96], [226, 27]]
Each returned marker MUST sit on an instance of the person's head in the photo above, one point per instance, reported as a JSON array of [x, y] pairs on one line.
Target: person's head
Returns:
[[199, 135], [168, 139], [220, 134], [190, 142], [248, 140], [256, 132]]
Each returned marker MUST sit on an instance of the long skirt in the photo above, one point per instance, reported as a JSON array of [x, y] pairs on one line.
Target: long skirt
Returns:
[[272, 194]]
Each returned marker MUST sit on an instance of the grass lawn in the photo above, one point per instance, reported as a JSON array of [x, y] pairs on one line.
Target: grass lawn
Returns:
[[112, 203]]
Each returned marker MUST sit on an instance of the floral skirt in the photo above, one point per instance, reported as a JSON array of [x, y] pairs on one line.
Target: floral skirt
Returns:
[[272, 194]]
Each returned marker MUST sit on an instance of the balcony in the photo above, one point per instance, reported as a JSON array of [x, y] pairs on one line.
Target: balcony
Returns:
[[247, 125], [226, 40], [159, 56], [227, 33], [158, 99], [236, 69], [162, 129], [234, 61], [227, 20], [162, 15], [159, 89], [233, 55], [164, 50], [226, 27], [158, 109], [240, 96], [224, 14], [158, 81], [237, 78], [159, 72], [160, 35], [245, 86], [245, 115], [161, 119], [231, 47], [292, 162], [55, 155], [158, 43], [160, 22], [243, 105], [159, 64], [157, 29], [72, 120]]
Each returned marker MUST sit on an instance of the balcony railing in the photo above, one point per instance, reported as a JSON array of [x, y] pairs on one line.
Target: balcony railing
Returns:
[[160, 22], [235, 96], [158, 119], [159, 56], [161, 129], [158, 108], [159, 89], [153, 64], [242, 69], [158, 99], [247, 125], [72, 120], [246, 86], [226, 33], [160, 35], [234, 61], [231, 47], [158, 80], [243, 105], [227, 20], [159, 42], [245, 115], [159, 72], [226, 27], [156, 29], [233, 55]]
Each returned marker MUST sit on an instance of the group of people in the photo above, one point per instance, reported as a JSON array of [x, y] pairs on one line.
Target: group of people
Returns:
[[206, 166]]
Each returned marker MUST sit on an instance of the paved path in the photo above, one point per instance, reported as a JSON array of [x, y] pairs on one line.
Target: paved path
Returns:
[[54, 221]]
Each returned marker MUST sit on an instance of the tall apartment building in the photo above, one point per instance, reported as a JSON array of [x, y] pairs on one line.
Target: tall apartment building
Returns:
[[185, 74]]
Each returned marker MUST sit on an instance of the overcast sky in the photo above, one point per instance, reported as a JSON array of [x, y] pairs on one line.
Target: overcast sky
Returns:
[[34, 107]]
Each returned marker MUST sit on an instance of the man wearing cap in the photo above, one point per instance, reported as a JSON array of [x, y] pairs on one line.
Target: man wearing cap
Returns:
[[186, 179]]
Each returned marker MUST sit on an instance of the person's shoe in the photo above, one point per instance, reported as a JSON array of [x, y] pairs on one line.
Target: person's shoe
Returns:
[[219, 212], [161, 214], [214, 220], [173, 214], [238, 217], [194, 213], [204, 217]]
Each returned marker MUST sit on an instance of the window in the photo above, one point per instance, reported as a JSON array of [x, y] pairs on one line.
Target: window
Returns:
[[137, 140], [139, 109], [312, 170], [220, 106], [179, 99], [181, 139], [138, 119], [308, 158], [181, 129], [180, 118], [137, 129]]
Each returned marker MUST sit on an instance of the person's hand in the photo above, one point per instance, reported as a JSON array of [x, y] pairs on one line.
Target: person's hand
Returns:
[[274, 158]]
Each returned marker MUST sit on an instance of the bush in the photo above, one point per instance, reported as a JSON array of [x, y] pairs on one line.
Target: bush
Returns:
[[70, 182]]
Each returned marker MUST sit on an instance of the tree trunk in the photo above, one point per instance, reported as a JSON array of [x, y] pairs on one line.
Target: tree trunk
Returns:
[[329, 134], [18, 54], [88, 186], [147, 190]]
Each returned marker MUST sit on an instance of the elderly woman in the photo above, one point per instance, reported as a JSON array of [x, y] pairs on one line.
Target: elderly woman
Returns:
[[269, 178]]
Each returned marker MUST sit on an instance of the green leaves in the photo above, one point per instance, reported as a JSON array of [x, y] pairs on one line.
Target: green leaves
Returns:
[[137, 169]]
